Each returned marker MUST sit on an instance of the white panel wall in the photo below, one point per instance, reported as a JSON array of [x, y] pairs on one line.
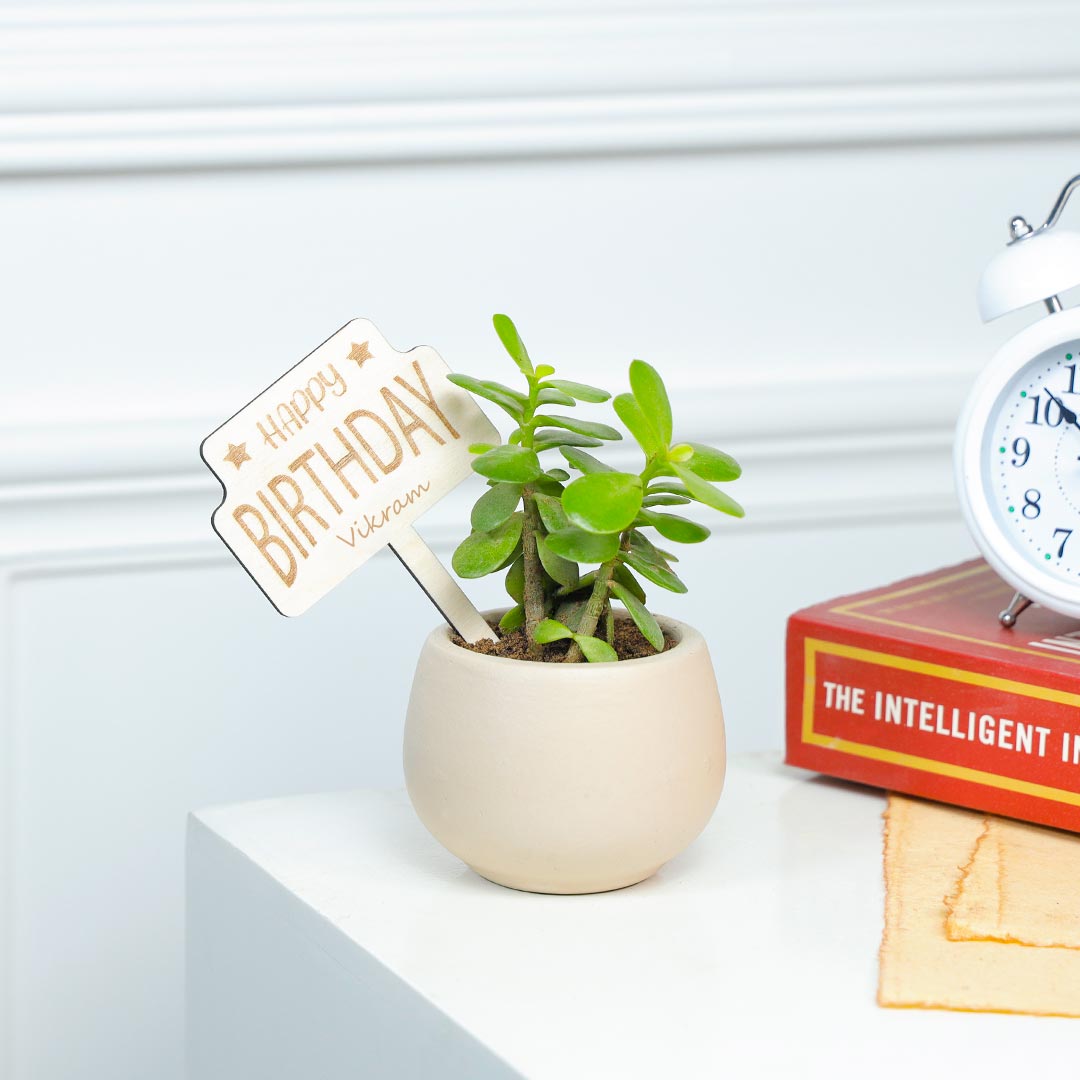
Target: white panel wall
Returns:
[[783, 206]]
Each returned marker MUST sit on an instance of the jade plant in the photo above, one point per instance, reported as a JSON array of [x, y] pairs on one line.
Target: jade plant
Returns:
[[571, 547]]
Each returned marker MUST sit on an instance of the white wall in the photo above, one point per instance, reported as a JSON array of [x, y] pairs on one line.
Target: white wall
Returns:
[[784, 207]]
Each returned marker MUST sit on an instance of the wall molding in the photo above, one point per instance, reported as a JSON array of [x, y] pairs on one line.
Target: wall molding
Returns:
[[105, 87], [823, 451], [763, 413]]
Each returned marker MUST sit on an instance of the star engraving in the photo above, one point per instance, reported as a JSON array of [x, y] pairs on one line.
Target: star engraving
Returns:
[[237, 454], [359, 353]]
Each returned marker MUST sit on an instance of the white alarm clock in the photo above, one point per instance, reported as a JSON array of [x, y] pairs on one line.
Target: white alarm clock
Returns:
[[1017, 450]]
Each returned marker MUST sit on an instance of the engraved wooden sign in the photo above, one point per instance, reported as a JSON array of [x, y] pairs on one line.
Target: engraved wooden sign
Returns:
[[337, 459]]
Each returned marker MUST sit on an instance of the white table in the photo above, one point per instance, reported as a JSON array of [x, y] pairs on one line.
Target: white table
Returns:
[[329, 936]]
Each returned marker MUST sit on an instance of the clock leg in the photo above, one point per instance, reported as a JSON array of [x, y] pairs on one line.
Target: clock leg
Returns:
[[1018, 604]]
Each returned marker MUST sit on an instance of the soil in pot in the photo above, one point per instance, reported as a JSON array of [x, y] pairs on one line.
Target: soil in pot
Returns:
[[629, 644]]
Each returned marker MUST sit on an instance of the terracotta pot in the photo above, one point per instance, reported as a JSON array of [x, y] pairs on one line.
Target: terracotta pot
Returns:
[[565, 778]]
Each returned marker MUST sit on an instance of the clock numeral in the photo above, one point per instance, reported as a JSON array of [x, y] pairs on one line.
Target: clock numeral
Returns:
[[1061, 546], [1046, 414], [1071, 369], [1021, 446], [1031, 502]]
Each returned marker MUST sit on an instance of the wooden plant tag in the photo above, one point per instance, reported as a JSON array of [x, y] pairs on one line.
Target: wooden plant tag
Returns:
[[337, 459]]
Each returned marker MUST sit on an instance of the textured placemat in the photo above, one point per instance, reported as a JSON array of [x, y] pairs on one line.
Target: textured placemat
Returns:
[[928, 847], [1022, 885]]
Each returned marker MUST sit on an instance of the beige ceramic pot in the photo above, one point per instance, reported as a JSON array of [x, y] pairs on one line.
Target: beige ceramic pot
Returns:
[[565, 778]]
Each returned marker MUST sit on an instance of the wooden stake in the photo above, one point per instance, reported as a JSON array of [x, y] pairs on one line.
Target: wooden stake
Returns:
[[441, 588]]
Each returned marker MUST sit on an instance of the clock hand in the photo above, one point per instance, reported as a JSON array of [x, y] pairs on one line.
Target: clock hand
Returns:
[[1070, 416]]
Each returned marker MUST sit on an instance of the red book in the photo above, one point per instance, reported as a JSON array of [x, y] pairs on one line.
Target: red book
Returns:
[[917, 687]]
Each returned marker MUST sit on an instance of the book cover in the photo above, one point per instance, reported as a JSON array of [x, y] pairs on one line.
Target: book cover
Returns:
[[917, 687]]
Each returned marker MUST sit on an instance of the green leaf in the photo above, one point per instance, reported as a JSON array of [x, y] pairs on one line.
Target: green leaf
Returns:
[[544, 370], [586, 581], [481, 447], [561, 570], [705, 493], [584, 547], [604, 502], [672, 488], [712, 464], [644, 547], [631, 414], [481, 553], [512, 557], [551, 396], [681, 453], [513, 464], [551, 513], [581, 391], [514, 619], [515, 580], [546, 440], [643, 618], [650, 393], [592, 428], [550, 630], [627, 580], [595, 650], [664, 500], [658, 575], [548, 486], [557, 474], [480, 389], [512, 343], [583, 462], [502, 388], [495, 506], [681, 530]]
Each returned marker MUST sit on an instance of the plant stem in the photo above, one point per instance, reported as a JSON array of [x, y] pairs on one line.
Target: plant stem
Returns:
[[599, 603], [533, 598], [594, 608]]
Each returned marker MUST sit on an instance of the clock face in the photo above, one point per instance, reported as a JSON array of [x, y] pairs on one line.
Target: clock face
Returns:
[[1017, 460], [1030, 456]]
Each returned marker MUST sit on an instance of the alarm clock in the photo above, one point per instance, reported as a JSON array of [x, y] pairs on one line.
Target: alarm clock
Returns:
[[1017, 449]]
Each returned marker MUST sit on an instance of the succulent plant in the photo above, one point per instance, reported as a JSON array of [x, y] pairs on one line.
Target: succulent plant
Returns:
[[571, 547]]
